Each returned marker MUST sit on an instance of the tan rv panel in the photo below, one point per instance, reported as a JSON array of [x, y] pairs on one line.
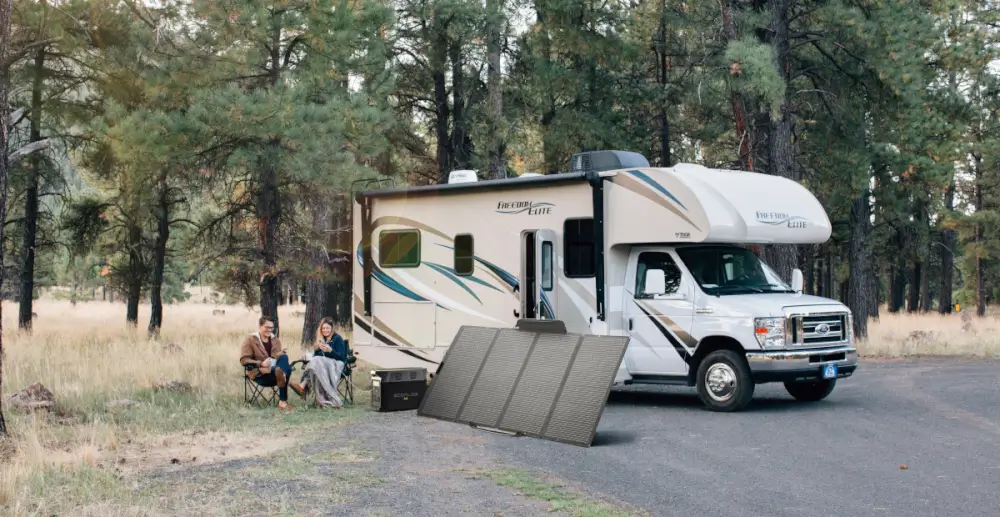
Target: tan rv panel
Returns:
[[422, 307]]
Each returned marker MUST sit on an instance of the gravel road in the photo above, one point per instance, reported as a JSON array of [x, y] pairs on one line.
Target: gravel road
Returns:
[[659, 450]]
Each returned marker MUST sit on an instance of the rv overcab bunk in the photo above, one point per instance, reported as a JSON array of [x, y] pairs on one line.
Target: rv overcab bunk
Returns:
[[612, 247]]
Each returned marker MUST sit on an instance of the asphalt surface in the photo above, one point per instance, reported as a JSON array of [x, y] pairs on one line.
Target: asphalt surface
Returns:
[[659, 449]]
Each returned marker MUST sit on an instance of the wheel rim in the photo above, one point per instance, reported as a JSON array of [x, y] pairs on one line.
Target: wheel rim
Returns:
[[721, 382]]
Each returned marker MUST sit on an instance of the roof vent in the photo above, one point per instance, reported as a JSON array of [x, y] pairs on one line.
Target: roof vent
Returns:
[[462, 176], [598, 161]]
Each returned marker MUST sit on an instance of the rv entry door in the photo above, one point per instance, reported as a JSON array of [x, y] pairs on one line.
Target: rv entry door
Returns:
[[538, 275]]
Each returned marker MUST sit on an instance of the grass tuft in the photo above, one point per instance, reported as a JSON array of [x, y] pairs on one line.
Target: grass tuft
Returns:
[[560, 498]]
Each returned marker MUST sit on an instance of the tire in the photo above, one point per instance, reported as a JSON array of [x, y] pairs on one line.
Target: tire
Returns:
[[810, 391], [724, 381]]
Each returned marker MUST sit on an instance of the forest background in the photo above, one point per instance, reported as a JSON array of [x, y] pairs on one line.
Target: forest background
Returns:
[[152, 146]]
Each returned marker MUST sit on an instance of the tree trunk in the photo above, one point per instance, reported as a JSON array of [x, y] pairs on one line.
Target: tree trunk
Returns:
[[159, 255], [494, 46], [317, 281], [740, 117], [550, 152], [461, 145], [945, 303], [31, 199], [980, 266], [925, 297], [862, 294], [913, 304], [133, 288], [438, 60], [809, 282], [781, 153], [5, 23], [665, 158], [268, 213]]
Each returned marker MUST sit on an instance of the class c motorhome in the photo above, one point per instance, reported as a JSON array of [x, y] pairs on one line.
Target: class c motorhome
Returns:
[[612, 247]]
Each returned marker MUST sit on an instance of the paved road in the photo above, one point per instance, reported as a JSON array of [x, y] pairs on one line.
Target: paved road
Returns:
[[660, 450]]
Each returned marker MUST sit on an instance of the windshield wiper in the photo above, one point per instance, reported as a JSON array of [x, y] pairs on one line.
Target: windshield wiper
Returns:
[[780, 289], [739, 288]]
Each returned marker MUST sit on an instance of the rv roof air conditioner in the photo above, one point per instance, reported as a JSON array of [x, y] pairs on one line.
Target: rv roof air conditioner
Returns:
[[462, 176], [598, 161]]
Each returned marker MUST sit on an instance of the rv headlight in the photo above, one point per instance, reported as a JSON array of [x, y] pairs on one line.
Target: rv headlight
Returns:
[[770, 332]]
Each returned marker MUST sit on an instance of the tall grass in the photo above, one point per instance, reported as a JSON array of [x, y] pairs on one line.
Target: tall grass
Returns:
[[932, 334], [87, 357]]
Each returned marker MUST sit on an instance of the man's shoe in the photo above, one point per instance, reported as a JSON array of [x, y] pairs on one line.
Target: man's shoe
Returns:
[[284, 405], [297, 388]]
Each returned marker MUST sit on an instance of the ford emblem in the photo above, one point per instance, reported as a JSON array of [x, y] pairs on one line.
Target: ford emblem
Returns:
[[822, 329]]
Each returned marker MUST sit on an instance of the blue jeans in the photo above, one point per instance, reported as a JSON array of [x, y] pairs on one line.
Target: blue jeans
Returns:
[[271, 379]]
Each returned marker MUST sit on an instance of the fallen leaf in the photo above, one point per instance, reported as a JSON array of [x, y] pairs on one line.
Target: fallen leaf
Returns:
[[903, 467]]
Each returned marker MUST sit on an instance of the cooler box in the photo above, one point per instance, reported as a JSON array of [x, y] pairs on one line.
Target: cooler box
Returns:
[[398, 389]]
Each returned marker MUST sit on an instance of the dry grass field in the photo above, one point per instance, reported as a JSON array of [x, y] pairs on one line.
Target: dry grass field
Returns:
[[86, 457]]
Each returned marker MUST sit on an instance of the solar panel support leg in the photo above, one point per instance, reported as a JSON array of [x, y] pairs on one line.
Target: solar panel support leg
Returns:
[[493, 429]]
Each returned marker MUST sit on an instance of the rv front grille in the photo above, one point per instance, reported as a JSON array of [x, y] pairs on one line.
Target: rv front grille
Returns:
[[820, 329]]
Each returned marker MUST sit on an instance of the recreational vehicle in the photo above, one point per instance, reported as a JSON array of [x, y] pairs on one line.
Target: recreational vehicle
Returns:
[[612, 247]]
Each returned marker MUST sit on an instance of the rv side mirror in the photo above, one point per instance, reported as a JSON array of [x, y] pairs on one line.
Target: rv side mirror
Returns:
[[656, 283], [797, 280]]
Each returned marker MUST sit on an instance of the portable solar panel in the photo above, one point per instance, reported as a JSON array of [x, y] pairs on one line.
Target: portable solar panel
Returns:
[[535, 379]]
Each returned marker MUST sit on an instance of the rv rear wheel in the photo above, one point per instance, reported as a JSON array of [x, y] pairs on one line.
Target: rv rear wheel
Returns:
[[810, 391], [724, 381]]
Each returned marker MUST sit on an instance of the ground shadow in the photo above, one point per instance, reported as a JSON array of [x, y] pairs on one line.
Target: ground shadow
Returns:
[[603, 438], [690, 401]]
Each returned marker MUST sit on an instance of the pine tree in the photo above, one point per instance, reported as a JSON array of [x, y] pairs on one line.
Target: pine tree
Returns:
[[274, 113]]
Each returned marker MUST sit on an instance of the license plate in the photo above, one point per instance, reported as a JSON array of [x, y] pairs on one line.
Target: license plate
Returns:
[[830, 371]]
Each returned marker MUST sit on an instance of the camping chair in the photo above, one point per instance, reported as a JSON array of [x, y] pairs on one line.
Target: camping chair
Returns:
[[253, 392], [346, 385]]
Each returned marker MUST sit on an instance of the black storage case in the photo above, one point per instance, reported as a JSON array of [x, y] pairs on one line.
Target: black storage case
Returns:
[[398, 389]]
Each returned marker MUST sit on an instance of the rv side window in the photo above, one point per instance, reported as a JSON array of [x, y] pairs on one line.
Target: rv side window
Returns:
[[578, 248], [547, 265], [657, 260], [464, 253], [399, 248]]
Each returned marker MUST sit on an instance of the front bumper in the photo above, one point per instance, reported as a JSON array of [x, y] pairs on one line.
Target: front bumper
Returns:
[[800, 365]]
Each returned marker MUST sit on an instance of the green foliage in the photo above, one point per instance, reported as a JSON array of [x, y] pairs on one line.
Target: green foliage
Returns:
[[199, 113], [757, 74]]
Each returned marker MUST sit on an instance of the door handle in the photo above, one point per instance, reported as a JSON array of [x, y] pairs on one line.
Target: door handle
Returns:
[[704, 310], [516, 314], [630, 323]]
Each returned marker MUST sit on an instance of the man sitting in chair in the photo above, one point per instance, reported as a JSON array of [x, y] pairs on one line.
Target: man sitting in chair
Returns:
[[264, 349]]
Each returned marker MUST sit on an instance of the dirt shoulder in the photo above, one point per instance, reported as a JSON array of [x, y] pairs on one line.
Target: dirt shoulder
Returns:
[[380, 464]]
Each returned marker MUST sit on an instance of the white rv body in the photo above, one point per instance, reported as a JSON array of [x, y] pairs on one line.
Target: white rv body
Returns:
[[654, 253]]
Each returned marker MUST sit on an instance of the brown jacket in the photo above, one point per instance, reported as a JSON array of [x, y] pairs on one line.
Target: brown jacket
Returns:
[[252, 351]]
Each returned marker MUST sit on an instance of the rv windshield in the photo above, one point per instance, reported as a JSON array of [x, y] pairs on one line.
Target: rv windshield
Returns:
[[722, 270]]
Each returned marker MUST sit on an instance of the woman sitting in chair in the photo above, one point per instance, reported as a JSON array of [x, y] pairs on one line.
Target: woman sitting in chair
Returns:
[[326, 365]]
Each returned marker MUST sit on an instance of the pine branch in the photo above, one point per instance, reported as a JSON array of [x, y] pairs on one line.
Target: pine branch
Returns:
[[24, 151], [24, 51]]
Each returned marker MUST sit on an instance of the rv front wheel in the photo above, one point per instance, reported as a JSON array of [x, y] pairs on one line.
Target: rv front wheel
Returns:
[[724, 381]]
